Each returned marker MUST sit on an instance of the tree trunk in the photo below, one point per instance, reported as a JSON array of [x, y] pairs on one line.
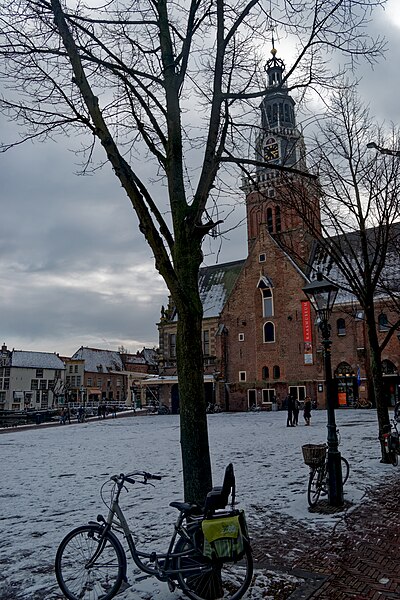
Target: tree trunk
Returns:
[[377, 379]]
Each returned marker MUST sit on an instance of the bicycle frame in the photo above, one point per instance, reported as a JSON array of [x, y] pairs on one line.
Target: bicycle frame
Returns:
[[164, 563]]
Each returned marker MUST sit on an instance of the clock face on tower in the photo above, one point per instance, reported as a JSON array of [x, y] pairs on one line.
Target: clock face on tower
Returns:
[[271, 149]]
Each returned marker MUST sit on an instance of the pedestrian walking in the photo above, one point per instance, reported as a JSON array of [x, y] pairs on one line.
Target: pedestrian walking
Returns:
[[114, 411], [296, 410], [289, 407], [307, 410]]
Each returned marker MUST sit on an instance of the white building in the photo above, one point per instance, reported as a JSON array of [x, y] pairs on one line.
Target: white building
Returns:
[[30, 379]]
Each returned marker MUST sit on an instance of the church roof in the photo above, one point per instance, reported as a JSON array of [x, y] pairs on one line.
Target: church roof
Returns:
[[215, 285], [349, 245]]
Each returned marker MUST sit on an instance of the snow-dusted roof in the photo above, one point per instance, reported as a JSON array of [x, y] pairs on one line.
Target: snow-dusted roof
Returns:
[[100, 361], [36, 360], [215, 285], [350, 245]]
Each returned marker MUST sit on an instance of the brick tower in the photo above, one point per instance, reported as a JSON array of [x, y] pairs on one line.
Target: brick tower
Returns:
[[271, 193]]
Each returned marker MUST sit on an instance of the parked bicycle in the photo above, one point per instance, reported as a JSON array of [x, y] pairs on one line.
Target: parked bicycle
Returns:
[[363, 403], [392, 443], [316, 457], [212, 408], [91, 563]]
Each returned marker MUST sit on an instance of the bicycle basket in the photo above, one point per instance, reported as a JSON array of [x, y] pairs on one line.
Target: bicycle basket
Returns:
[[224, 537], [314, 454]]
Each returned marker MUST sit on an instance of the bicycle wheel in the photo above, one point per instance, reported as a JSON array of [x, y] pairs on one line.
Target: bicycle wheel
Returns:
[[103, 578], [345, 469], [202, 579], [315, 484]]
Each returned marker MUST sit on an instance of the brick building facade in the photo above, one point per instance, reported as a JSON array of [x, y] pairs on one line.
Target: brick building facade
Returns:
[[265, 343]]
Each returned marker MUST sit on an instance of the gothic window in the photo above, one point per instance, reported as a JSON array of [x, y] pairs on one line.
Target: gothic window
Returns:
[[270, 222], [269, 332], [388, 368], [268, 308], [287, 114], [344, 370], [276, 371], [383, 322], [265, 373], [278, 218], [341, 327]]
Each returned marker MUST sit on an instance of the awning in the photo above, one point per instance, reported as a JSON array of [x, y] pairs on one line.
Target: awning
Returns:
[[170, 380]]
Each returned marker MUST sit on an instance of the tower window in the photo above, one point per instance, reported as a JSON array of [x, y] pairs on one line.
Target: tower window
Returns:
[[265, 373], [276, 371], [269, 332], [278, 218], [270, 222]]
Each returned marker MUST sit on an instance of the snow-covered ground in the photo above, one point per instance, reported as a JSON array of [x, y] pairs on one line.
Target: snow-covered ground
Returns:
[[51, 479]]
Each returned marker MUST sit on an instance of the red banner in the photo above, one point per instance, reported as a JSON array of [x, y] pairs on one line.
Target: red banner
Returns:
[[307, 327]]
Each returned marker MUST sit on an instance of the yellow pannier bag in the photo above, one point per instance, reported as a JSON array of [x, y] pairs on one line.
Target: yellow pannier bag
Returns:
[[223, 538]]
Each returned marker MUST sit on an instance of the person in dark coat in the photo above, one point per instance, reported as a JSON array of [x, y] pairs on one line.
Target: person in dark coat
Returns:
[[289, 407], [307, 410], [296, 410]]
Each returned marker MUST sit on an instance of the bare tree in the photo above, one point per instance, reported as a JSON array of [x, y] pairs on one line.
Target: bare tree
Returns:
[[171, 81], [358, 234]]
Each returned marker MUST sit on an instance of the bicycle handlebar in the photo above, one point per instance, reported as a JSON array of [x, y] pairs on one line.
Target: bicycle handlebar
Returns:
[[129, 477]]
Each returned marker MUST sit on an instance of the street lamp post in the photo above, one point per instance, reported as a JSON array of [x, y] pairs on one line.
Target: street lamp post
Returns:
[[322, 295]]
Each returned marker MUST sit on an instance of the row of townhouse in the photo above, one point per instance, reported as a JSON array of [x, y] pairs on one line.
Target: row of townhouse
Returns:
[[43, 380]]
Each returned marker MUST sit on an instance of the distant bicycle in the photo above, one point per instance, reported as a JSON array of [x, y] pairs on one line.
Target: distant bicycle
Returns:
[[363, 403], [392, 443], [254, 408], [316, 457], [213, 408]]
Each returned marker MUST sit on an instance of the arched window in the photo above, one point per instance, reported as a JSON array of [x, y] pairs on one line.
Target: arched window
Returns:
[[269, 332], [276, 371], [265, 286], [265, 373], [341, 327], [388, 368], [270, 222], [344, 370], [268, 309], [278, 225], [383, 322]]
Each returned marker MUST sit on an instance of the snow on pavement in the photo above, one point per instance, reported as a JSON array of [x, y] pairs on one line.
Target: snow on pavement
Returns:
[[51, 479]]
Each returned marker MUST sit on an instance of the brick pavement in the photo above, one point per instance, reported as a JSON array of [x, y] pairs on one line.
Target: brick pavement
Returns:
[[358, 560]]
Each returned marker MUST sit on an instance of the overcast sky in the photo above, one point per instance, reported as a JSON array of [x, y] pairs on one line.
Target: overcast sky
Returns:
[[74, 269]]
